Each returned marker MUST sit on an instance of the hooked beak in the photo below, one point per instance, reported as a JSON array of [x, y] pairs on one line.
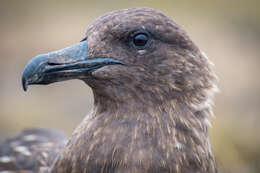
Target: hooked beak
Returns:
[[65, 64]]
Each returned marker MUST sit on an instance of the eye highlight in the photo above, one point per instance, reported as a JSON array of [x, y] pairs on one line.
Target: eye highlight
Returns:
[[140, 40]]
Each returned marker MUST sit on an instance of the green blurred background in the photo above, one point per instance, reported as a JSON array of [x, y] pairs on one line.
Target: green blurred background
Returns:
[[228, 31]]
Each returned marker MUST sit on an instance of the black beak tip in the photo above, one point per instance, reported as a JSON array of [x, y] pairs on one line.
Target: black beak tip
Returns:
[[24, 84]]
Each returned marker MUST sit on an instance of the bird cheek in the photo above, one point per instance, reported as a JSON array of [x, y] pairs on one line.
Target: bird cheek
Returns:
[[107, 72], [115, 74], [102, 73]]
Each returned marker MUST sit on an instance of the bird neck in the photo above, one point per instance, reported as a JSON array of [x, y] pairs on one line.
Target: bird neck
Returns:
[[152, 100], [166, 111], [171, 129]]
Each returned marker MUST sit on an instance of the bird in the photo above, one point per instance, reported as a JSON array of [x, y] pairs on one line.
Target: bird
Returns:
[[153, 94]]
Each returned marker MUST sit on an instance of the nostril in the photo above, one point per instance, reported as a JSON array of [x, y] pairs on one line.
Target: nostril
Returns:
[[53, 63]]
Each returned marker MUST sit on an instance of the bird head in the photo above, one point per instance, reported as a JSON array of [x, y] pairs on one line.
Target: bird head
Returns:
[[129, 52]]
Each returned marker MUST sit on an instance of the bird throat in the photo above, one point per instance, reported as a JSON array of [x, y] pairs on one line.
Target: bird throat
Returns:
[[142, 137]]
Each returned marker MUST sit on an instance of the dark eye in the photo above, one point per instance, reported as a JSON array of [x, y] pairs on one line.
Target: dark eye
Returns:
[[140, 40]]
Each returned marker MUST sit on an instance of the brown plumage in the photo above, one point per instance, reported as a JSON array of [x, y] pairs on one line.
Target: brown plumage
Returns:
[[33, 150], [153, 91]]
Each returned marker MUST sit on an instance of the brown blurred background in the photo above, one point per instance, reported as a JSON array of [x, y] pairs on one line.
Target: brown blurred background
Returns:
[[228, 31]]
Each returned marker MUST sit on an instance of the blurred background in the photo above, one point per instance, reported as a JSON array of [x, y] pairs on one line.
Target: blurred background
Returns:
[[228, 31]]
